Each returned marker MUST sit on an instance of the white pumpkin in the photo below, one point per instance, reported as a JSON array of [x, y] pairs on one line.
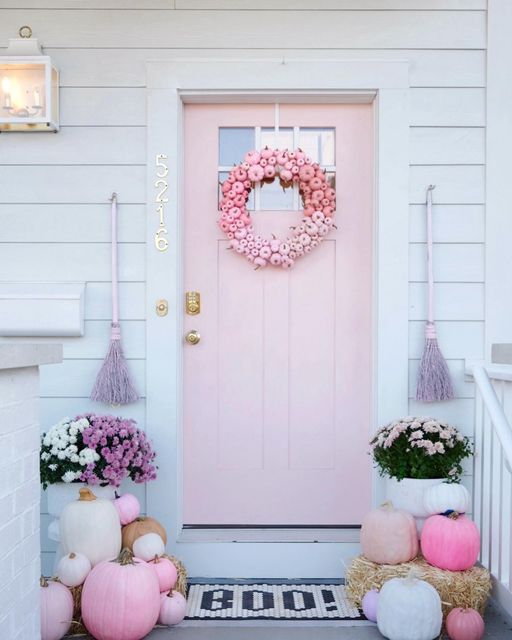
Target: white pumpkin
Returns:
[[409, 609], [90, 526], [148, 546], [446, 497], [73, 569]]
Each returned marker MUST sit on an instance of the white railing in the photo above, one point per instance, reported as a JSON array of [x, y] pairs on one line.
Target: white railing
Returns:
[[492, 495]]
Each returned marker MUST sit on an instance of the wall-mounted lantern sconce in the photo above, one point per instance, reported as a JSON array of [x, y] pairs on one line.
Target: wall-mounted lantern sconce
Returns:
[[29, 87]]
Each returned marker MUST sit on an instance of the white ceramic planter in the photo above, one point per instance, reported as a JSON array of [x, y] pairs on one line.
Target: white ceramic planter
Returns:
[[407, 494]]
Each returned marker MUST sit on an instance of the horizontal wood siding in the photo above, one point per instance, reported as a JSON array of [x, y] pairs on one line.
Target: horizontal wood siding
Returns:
[[54, 217]]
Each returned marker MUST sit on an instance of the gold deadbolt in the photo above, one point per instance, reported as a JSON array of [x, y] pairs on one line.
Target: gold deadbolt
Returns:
[[162, 307], [193, 337], [193, 303]]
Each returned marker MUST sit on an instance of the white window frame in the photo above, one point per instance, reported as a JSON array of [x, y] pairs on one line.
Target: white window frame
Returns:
[[171, 84]]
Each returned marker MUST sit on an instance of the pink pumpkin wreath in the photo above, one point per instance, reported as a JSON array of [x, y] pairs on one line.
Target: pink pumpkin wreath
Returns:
[[289, 167]]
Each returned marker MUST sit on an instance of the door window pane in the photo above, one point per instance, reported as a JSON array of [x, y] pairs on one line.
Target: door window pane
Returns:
[[234, 143], [319, 144], [281, 139], [274, 198]]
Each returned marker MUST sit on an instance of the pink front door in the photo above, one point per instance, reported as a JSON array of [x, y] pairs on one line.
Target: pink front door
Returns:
[[278, 392]]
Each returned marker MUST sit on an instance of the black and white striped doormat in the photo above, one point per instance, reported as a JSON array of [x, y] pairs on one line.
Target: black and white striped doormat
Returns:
[[262, 601]]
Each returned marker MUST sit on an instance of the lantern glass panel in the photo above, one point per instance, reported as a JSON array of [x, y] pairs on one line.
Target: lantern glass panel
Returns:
[[23, 91]]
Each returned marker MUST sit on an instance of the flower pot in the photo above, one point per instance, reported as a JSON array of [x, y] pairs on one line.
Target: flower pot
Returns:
[[407, 494]]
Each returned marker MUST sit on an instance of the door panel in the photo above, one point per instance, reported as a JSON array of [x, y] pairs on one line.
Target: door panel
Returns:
[[277, 395]]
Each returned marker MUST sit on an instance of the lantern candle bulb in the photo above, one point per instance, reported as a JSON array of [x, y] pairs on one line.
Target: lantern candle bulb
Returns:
[[6, 88]]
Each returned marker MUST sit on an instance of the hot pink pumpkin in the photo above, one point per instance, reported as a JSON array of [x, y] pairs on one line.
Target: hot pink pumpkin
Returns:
[[166, 572], [465, 624], [450, 542], [173, 608], [121, 599], [389, 536], [127, 507], [56, 610]]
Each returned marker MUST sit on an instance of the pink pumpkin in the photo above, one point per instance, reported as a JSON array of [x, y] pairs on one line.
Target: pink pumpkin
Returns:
[[127, 507], [465, 624], [450, 542], [121, 599], [56, 610], [173, 608], [389, 536], [166, 572]]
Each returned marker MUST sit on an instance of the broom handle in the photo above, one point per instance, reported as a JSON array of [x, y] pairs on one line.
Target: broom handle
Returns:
[[430, 329], [115, 286]]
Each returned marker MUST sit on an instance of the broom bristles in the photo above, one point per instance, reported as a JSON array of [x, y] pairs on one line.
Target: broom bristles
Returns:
[[113, 383], [434, 381]]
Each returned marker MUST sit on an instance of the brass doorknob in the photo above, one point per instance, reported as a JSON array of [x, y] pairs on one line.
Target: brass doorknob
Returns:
[[193, 336]]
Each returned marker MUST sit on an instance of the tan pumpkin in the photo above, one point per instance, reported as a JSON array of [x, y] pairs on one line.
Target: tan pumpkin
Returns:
[[139, 527], [389, 536]]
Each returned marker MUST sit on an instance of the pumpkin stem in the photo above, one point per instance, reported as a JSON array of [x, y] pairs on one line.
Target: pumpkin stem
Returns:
[[125, 557], [387, 505], [43, 582], [86, 495], [72, 555], [170, 594], [454, 515], [156, 559]]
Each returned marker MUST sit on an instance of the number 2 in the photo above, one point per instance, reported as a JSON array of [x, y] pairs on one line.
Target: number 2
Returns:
[[163, 186]]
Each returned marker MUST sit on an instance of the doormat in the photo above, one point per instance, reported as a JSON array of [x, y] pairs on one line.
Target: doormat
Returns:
[[263, 601]]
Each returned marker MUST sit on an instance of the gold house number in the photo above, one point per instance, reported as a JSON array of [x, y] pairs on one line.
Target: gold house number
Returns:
[[161, 185]]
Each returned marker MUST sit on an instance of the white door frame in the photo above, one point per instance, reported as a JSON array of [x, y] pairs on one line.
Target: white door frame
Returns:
[[170, 84]]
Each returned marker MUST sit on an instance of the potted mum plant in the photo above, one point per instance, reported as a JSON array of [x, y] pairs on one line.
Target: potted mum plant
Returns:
[[101, 451], [414, 454]]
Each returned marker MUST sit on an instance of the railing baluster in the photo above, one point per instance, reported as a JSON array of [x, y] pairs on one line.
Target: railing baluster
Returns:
[[478, 463], [492, 496]]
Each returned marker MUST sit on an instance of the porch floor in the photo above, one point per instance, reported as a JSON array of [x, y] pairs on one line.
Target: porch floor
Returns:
[[497, 627]]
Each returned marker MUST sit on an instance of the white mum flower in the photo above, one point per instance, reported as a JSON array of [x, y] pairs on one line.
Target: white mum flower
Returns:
[[74, 458], [61, 455], [53, 467], [45, 456], [69, 476]]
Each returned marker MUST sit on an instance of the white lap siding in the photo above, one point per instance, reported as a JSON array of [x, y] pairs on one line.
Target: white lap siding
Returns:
[[53, 188]]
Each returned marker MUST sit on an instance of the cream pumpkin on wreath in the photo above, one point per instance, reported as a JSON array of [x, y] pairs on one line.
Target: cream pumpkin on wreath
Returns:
[[389, 536]]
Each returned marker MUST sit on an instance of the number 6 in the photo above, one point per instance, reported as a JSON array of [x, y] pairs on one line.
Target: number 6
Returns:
[[161, 243]]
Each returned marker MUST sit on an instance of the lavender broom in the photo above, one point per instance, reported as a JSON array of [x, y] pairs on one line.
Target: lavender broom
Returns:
[[113, 383], [434, 382]]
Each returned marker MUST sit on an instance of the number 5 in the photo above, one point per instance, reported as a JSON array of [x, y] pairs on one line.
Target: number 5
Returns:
[[159, 163]]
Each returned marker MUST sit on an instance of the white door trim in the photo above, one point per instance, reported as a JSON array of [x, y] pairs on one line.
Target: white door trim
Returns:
[[169, 85]]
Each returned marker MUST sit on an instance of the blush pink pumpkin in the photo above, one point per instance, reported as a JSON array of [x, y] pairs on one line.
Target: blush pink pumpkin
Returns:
[[450, 542], [166, 572], [128, 508], [389, 536], [121, 599], [56, 609], [173, 608], [465, 624]]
